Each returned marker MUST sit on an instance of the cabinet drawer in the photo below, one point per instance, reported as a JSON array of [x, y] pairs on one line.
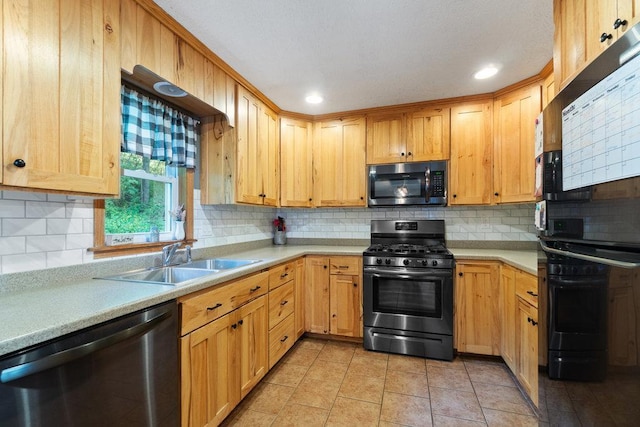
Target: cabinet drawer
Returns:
[[200, 308], [280, 303], [281, 274], [281, 338], [527, 288], [347, 265]]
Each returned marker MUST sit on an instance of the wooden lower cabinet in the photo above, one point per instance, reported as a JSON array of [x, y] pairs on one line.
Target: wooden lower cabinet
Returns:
[[299, 295], [527, 340], [333, 303], [508, 311], [221, 362], [477, 315]]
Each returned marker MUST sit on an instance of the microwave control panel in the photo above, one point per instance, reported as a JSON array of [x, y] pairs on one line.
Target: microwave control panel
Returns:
[[437, 183]]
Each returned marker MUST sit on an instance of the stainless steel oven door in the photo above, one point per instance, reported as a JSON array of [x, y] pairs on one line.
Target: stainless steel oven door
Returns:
[[419, 300]]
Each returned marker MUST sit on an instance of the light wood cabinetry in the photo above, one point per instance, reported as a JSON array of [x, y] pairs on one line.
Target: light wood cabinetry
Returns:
[[415, 136], [477, 314], [527, 339], [61, 80], [296, 172], [300, 286], [584, 29], [623, 330], [224, 351], [257, 179], [508, 312], [339, 163], [470, 173], [334, 295], [282, 303], [513, 166], [548, 90]]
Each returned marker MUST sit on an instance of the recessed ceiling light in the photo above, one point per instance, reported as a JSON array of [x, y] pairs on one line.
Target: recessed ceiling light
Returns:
[[314, 99], [168, 89], [486, 72]]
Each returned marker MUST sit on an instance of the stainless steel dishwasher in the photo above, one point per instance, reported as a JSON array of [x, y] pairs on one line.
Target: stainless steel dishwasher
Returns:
[[120, 373]]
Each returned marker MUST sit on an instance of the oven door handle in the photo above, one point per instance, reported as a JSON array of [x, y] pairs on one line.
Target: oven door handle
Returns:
[[585, 257], [385, 274]]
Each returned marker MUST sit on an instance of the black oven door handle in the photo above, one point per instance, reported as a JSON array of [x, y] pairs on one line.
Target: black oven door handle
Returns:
[[585, 257], [385, 274]]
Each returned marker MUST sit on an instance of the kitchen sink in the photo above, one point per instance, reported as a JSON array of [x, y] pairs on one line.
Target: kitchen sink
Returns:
[[220, 263], [163, 275]]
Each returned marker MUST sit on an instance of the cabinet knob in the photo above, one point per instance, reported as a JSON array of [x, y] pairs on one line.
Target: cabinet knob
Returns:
[[324, 266], [355, 285], [460, 274], [455, 195], [496, 194], [234, 326], [402, 154], [409, 154], [240, 322], [19, 163], [619, 23], [604, 37], [310, 199]]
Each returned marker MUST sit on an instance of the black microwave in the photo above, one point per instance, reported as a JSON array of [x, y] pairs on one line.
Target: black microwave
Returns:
[[404, 184]]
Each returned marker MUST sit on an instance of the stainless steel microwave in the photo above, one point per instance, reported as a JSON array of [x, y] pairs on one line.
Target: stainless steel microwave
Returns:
[[399, 184]]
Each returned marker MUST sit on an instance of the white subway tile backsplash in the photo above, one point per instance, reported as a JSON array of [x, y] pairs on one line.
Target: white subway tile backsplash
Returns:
[[63, 258], [25, 262], [65, 226], [45, 243], [23, 227], [12, 245], [23, 195], [45, 210], [12, 208], [79, 241]]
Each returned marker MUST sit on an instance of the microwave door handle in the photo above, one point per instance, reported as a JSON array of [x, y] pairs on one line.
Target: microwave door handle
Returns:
[[600, 260], [427, 184]]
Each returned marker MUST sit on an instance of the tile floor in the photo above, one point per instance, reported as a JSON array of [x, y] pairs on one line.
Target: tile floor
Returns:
[[328, 383]]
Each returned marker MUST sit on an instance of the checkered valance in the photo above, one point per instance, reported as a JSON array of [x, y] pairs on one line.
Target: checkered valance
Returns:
[[156, 131]]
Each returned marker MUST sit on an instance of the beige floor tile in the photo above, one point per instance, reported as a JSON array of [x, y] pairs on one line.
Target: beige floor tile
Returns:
[[456, 363], [311, 343], [301, 356], [388, 424], [593, 414], [248, 418], [337, 352], [294, 415], [406, 364], [362, 387], [580, 391], [557, 399], [508, 419], [319, 394], [409, 383], [508, 399], [268, 398], [455, 379], [323, 370], [456, 404], [490, 374], [365, 365], [442, 421], [405, 410], [351, 412], [288, 374], [361, 351], [564, 419]]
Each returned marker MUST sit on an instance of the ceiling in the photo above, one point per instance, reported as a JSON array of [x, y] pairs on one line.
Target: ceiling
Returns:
[[369, 53]]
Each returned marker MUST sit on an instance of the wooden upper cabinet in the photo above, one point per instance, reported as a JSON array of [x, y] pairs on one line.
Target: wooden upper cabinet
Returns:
[[548, 90], [514, 134], [606, 21], [257, 172], [408, 137], [471, 154], [296, 180], [339, 163], [386, 139], [61, 90], [428, 136]]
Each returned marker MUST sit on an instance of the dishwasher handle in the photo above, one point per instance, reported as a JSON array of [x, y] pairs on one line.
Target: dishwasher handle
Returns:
[[57, 359]]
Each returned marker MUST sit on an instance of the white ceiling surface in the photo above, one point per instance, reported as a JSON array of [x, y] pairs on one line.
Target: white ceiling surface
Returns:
[[369, 53]]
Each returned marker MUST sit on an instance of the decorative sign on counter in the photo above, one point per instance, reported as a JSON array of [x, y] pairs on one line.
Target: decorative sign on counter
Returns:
[[601, 131]]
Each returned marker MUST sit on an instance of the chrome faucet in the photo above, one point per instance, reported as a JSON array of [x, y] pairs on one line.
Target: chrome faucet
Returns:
[[168, 253]]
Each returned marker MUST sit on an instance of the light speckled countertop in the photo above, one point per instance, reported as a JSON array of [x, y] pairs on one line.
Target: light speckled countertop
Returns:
[[36, 314]]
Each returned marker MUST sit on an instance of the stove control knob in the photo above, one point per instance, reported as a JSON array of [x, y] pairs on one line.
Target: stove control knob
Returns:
[[434, 262], [405, 262], [387, 261], [379, 261], [424, 262]]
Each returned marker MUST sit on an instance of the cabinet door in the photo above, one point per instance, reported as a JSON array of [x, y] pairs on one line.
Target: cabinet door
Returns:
[[477, 314], [429, 135], [61, 80], [346, 305], [317, 295], [513, 163], [386, 139], [622, 334], [508, 310], [155, 46], [569, 50], [339, 163], [208, 378], [252, 329], [600, 33], [269, 156], [296, 181], [299, 298], [471, 157], [527, 372], [248, 177]]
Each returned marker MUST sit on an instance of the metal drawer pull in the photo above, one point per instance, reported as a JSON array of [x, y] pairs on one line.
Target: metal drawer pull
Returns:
[[234, 326], [533, 322], [284, 302], [218, 305], [283, 275], [343, 266], [254, 289], [533, 294], [286, 337], [240, 322]]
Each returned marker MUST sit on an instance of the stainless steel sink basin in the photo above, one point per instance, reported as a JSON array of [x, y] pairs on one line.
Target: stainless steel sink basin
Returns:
[[220, 263], [164, 276]]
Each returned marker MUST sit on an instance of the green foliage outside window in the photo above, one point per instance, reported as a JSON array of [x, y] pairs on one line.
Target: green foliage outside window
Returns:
[[143, 202]]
